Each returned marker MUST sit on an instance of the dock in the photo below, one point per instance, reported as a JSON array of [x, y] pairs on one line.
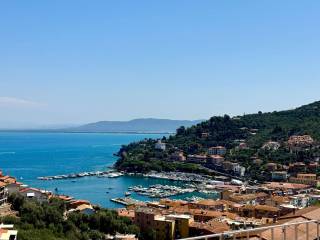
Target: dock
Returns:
[[127, 201], [109, 174]]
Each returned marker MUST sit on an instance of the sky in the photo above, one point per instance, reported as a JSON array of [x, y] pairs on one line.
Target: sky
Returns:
[[72, 62]]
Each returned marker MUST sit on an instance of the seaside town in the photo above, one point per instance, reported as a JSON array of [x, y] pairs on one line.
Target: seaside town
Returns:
[[290, 195]]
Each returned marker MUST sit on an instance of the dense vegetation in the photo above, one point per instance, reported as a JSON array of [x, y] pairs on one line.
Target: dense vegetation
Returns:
[[254, 129], [46, 221]]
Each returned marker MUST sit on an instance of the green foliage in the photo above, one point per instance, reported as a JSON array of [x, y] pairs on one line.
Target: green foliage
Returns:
[[46, 221], [255, 129]]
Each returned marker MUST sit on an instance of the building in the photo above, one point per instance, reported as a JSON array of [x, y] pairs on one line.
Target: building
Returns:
[[271, 146], [259, 211], [169, 226], [160, 145], [197, 158], [233, 167], [205, 135], [182, 223], [271, 166], [178, 156], [164, 228], [3, 193], [119, 236], [219, 150], [144, 218], [86, 209], [247, 199], [300, 200], [205, 228], [297, 167], [36, 194], [285, 188], [279, 176], [277, 201], [7, 232], [297, 143], [305, 178], [215, 160]]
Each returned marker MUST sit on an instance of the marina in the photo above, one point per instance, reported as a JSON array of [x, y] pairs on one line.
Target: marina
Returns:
[[178, 176], [161, 191]]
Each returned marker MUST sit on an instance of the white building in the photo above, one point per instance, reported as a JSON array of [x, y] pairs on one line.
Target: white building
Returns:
[[7, 232], [160, 145]]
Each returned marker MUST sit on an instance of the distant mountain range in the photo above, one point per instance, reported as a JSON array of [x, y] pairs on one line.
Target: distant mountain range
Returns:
[[142, 125]]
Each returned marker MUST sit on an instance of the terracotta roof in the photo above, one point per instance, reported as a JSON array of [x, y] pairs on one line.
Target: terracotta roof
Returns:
[[308, 212], [216, 227], [281, 185], [31, 189], [290, 231], [280, 199], [208, 202]]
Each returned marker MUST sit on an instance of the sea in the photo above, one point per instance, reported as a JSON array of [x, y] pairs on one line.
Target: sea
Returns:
[[29, 155]]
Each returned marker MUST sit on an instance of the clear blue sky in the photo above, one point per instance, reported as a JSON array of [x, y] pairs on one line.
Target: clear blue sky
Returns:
[[82, 61]]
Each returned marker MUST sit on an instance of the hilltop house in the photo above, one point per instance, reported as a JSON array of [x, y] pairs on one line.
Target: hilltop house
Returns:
[[37, 194], [297, 143], [219, 150], [160, 145]]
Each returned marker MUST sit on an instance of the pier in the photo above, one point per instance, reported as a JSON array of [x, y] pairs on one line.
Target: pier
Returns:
[[109, 174], [127, 201]]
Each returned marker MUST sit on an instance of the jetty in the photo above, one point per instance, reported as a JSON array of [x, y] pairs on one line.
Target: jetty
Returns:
[[127, 201], [109, 174]]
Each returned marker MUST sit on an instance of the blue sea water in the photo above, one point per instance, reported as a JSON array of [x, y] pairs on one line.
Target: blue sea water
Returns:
[[28, 155]]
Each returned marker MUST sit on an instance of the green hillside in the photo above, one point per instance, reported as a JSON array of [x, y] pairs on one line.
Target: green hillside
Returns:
[[253, 129]]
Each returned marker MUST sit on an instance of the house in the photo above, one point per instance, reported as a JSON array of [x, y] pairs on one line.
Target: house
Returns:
[[3, 193], [160, 145], [233, 167], [297, 142], [279, 175], [182, 222], [164, 228], [205, 135], [13, 187], [212, 227], [86, 209], [7, 232], [36, 194], [300, 200], [119, 236], [285, 188], [247, 199], [259, 211], [305, 178], [215, 160], [219, 150], [271, 145], [178, 156], [297, 167], [243, 146], [271, 166], [277, 201], [197, 158]]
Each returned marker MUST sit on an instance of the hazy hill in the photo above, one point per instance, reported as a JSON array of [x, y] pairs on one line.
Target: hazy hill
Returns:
[[146, 125]]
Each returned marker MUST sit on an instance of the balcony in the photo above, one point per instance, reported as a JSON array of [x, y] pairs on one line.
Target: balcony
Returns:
[[300, 230]]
